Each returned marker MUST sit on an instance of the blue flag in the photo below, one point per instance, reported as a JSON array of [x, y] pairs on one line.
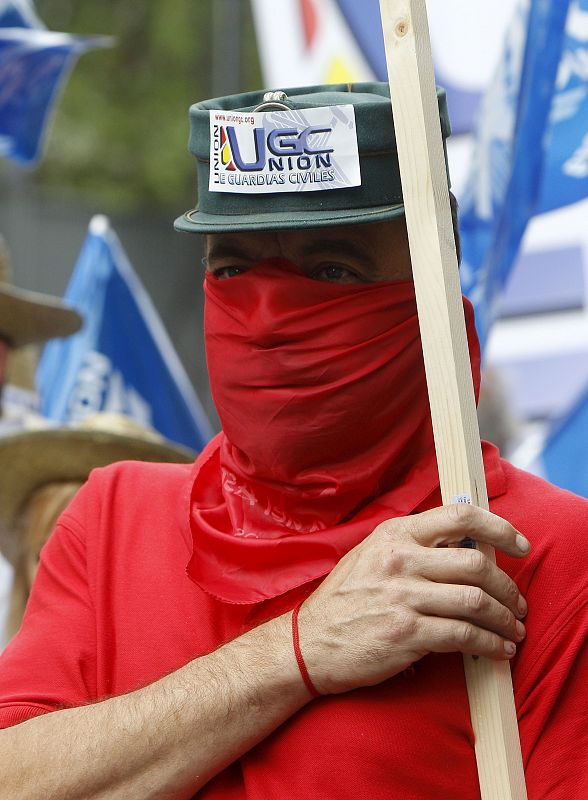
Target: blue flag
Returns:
[[563, 460], [516, 143], [122, 360], [340, 41], [364, 20], [34, 64], [19, 14], [365, 23], [565, 177]]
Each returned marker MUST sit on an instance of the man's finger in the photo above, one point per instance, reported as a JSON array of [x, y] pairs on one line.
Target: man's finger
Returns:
[[448, 525], [467, 603], [469, 568], [451, 636]]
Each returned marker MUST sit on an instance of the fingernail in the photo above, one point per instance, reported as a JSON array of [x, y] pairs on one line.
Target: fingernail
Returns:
[[510, 648], [521, 631], [523, 544], [522, 606]]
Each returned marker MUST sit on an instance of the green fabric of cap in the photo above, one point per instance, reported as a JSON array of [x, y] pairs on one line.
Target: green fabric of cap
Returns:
[[378, 198]]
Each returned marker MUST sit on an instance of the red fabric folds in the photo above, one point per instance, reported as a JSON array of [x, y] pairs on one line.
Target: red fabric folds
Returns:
[[321, 391]]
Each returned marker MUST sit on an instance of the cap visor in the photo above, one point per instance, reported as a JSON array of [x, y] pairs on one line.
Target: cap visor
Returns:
[[196, 221]]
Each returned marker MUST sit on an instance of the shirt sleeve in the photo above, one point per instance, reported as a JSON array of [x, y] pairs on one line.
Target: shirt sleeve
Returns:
[[50, 663], [553, 719], [550, 669]]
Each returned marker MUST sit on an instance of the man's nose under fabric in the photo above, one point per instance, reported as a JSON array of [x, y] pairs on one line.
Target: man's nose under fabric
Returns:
[[321, 391], [302, 360]]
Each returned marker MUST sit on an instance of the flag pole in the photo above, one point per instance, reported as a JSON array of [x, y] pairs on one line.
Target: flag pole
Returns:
[[447, 364]]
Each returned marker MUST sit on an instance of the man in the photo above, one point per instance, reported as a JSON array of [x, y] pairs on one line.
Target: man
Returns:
[[42, 469], [25, 318], [286, 618]]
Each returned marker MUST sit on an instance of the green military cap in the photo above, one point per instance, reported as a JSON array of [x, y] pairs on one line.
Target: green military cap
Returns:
[[305, 157]]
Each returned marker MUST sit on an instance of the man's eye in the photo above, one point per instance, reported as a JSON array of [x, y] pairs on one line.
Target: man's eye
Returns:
[[335, 274], [222, 273]]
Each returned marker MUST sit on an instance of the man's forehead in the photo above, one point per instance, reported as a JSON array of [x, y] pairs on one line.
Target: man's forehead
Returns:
[[337, 237]]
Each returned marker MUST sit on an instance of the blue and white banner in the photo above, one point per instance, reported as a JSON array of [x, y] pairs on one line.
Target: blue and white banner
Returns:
[[515, 146], [336, 41], [34, 64], [304, 42], [563, 460], [122, 360], [19, 14], [364, 21], [565, 177]]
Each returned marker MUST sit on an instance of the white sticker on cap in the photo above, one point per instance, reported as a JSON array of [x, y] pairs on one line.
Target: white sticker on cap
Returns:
[[284, 151]]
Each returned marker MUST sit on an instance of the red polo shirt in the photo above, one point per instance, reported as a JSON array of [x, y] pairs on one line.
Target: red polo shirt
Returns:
[[113, 609]]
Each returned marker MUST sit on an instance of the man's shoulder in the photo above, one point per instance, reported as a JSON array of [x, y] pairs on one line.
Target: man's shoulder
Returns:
[[531, 495], [127, 489], [554, 520], [142, 471], [138, 478]]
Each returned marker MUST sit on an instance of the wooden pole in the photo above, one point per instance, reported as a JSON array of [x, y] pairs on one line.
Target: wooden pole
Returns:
[[447, 363]]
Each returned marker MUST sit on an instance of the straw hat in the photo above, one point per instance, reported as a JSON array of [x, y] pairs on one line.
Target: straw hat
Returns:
[[27, 317], [30, 459]]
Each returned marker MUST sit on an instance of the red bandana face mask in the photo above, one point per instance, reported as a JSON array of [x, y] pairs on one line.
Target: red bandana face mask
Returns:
[[321, 391]]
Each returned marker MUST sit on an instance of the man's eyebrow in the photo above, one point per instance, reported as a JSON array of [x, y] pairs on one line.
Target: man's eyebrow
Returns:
[[328, 248], [229, 249], [347, 247]]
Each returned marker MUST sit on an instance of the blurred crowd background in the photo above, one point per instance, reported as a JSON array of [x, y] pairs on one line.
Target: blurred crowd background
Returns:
[[118, 146]]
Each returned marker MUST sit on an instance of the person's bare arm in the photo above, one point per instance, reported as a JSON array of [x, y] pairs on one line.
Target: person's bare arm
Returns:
[[390, 601], [165, 740]]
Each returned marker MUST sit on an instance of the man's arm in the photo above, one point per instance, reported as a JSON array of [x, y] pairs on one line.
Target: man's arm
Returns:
[[396, 597], [165, 740]]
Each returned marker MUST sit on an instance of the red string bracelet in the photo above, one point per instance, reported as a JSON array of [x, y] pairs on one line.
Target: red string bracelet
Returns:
[[297, 652]]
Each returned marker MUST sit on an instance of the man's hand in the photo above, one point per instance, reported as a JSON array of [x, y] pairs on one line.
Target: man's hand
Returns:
[[409, 590]]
